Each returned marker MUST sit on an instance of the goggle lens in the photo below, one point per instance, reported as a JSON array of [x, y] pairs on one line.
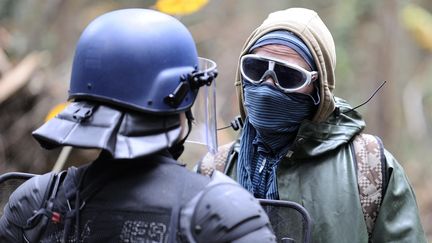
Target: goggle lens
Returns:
[[289, 78], [254, 68]]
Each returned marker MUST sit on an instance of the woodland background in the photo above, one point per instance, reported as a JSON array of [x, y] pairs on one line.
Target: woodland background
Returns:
[[381, 40]]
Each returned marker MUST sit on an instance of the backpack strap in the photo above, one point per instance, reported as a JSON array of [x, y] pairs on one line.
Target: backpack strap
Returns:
[[220, 161], [370, 164]]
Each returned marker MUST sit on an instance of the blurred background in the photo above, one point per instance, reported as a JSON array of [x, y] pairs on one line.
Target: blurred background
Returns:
[[387, 40]]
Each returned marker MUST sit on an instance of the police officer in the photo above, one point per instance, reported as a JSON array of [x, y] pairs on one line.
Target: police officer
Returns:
[[135, 76]]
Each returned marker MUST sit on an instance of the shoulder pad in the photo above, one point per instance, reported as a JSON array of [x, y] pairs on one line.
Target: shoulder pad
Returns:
[[218, 177], [223, 212], [26, 199]]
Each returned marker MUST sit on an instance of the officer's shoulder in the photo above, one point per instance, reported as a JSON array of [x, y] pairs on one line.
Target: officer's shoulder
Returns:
[[225, 191], [227, 211], [27, 198]]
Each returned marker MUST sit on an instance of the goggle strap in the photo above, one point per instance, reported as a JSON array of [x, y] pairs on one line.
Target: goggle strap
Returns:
[[316, 102]]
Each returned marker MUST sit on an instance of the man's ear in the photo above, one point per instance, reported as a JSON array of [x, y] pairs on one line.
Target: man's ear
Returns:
[[314, 76]]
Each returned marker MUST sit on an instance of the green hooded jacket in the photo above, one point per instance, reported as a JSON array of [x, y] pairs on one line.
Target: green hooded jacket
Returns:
[[319, 172]]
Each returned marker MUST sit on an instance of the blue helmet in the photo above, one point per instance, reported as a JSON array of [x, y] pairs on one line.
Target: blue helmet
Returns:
[[139, 59]]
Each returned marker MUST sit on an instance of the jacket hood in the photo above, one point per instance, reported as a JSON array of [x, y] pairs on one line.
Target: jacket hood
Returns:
[[314, 139], [307, 25]]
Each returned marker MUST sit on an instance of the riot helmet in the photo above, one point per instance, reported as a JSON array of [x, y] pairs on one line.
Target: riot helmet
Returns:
[[139, 59]]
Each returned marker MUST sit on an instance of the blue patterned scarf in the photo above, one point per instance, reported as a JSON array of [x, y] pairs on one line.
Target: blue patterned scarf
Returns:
[[270, 128]]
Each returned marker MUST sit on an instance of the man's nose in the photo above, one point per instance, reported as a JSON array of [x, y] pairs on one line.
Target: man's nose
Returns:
[[269, 80]]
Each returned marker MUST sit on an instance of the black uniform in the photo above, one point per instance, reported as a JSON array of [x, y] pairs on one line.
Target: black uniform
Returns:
[[134, 200]]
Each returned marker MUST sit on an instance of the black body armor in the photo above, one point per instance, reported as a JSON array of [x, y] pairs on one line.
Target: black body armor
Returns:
[[149, 199]]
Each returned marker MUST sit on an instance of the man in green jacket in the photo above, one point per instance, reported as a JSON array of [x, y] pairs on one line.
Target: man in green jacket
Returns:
[[300, 143]]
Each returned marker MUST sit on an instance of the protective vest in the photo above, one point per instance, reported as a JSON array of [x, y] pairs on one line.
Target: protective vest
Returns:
[[125, 209]]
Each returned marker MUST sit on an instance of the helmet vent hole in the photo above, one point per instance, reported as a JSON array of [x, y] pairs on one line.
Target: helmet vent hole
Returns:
[[89, 86], [150, 102]]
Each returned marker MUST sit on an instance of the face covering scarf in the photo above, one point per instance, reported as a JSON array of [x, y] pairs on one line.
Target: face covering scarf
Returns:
[[270, 128]]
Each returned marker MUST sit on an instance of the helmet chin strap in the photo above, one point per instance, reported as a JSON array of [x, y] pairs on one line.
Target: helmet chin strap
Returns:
[[177, 149]]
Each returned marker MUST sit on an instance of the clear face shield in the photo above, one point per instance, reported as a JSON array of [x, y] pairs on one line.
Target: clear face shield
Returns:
[[202, 139]]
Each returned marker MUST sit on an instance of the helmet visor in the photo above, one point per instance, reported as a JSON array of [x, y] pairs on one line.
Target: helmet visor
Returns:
[[203, 137]]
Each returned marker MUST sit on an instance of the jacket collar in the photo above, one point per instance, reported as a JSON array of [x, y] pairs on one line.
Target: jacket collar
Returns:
[[317, 138]]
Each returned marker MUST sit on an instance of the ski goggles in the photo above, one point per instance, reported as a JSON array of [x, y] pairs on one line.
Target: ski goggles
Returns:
[[288, 77]]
